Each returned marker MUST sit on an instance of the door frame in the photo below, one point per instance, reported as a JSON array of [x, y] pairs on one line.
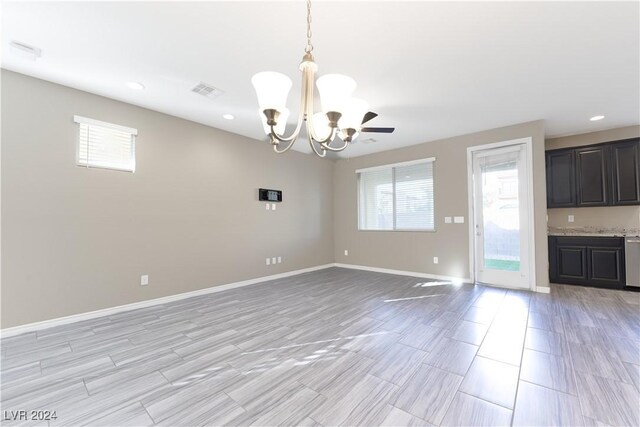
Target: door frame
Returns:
[[528, 142]]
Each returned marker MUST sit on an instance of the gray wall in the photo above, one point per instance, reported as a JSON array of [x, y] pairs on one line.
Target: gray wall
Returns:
[[414, 251], [76, 240], [620, 216]]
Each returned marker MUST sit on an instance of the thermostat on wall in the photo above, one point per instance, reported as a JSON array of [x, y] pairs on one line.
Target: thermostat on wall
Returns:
[[267, 195]]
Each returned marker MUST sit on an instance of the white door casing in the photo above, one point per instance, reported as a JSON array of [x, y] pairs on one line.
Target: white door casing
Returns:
[[499, 219]]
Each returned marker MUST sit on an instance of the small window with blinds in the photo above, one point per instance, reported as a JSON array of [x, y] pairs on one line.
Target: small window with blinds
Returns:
[[397, 197], [105, 145]]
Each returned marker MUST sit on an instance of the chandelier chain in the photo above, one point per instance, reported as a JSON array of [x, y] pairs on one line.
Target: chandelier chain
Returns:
[[309, 47]]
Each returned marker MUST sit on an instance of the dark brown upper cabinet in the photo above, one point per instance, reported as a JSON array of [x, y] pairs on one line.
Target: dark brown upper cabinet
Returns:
[[561, 186], [625, 172], [596, 175], [592, 175]]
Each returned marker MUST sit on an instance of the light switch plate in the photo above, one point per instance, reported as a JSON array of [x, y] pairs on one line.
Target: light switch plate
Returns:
[[435, 259], [458, 219], [571, 218], [268, 206], [273, 206], [144, 280], [279, 259], [273, 260], [268, 261], [346, 252], [447, 220]]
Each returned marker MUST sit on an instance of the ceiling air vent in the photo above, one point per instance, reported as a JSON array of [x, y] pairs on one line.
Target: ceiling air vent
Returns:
[[25, 50], [207, 90]]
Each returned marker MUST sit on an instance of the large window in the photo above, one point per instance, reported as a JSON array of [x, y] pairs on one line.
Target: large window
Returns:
[[396, 197], [105, 145]]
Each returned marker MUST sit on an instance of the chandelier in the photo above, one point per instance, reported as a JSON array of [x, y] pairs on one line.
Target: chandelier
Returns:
[[342, 115]]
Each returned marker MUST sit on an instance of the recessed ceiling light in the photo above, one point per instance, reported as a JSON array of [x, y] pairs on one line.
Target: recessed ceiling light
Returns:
[[135, 85], [596, 118], [229, 116]]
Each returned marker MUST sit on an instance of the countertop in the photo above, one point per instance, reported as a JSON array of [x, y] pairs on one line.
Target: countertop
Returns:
[[593, 231]]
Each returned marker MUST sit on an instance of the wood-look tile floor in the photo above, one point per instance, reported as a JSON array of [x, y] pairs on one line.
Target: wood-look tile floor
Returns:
[[340, 347]]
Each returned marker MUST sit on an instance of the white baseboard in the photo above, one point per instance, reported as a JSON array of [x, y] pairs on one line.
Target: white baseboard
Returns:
[[403, 273], [45, 324], [30, 327], [543, 290]]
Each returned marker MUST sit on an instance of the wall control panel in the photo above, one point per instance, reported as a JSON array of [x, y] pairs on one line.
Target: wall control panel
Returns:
[[267, 195]]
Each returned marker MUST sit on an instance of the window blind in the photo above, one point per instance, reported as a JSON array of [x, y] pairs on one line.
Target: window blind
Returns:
[[376, 200], [105, 145], [396, 197]]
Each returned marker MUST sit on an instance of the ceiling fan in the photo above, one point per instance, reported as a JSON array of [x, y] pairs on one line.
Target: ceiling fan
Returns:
[[370, 116]]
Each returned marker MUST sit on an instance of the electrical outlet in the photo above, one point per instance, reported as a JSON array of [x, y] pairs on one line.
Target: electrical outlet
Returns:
[[273, 260], [268, 261], [273, 206], [571, 218], [144, 280], [268, 206], [346, 252], [447, 220], [435, 259], [279, 259]]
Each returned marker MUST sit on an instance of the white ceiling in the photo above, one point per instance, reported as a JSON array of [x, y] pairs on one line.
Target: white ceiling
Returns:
[[431, 69]]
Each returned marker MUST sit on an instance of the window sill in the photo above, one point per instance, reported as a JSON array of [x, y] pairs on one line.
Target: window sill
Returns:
[[399, 231]]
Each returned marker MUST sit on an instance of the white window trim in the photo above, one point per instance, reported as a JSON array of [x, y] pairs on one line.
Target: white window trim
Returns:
[[93, 122], [395, 165], [392, 166], [88, 121]]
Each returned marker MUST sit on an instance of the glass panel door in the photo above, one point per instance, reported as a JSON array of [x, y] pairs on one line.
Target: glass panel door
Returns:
[[500, 210]]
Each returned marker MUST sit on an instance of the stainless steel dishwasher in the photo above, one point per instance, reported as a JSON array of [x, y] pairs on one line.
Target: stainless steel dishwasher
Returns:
[[632, 261]]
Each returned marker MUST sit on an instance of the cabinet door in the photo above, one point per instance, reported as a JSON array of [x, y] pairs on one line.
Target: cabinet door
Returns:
[[606, 266], [592, 176], [561, 188], [572, 263], [625, 172]]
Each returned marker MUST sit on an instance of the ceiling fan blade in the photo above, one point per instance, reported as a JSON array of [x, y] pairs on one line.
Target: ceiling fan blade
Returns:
[[369, 116], [378, 130]]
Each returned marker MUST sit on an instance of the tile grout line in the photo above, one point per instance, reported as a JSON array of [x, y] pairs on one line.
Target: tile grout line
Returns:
[[147, 411], [475, 355], [485, 400], [515, 398], [549, 388], [573, 372]]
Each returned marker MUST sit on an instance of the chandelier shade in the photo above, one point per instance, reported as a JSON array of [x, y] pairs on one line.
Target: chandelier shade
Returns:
[[321, 125], [354, 110], [282, 122], [343, 134], [272, 90], [335, 91]]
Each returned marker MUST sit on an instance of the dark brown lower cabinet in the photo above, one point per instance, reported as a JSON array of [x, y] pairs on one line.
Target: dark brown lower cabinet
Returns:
[[572, 263], [587, 261], [606, 265]]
